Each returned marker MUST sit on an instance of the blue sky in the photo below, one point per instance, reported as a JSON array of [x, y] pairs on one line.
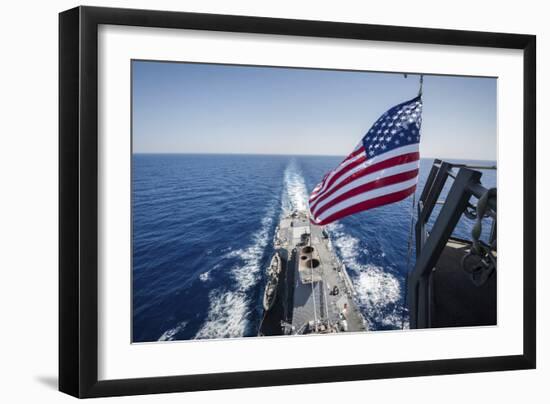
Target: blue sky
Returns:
[[204, 108]]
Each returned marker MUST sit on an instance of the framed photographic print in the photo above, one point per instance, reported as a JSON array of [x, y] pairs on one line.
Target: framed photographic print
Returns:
[[250, 201]]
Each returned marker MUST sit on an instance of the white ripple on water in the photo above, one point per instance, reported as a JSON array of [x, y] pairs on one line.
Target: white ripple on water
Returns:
[[205, 276], [229, 312], [378, 291], [171, 333]]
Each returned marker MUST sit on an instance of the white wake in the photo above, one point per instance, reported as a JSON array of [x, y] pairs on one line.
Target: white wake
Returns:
[[295, 194], [379, 291], [229, 311]]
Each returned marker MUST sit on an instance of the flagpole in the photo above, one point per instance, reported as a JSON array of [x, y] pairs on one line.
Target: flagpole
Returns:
[[409, 246], [407, 270]]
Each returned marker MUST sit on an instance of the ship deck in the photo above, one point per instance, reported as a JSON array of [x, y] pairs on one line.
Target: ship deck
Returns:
[[315, 293], [456, 301]]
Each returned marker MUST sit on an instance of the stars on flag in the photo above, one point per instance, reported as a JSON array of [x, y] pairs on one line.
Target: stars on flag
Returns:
[[398, 127]]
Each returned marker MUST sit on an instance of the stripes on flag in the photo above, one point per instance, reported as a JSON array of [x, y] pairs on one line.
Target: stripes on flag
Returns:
[[382, 169]]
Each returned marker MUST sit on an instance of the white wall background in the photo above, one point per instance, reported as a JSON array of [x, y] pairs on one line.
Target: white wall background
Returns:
[[28, 199]]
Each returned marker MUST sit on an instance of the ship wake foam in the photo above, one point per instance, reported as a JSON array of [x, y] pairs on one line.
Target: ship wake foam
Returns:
[[378, 291], [170, 334], [295, 194], [229, 311], [227, 315], [205, 276]]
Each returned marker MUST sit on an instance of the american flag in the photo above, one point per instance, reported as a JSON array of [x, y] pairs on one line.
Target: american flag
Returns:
[[382, 169]]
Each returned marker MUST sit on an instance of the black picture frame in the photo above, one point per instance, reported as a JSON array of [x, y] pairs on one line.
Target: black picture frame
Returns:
[[78, 200]]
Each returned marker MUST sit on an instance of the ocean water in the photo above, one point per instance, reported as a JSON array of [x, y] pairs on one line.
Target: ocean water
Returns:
[[203, 227]]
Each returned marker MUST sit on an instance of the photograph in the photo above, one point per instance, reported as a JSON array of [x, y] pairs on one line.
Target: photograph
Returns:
[[285, 201], [267, 202]]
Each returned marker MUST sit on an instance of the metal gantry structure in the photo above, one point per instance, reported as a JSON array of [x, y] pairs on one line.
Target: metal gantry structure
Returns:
[[431, 243]]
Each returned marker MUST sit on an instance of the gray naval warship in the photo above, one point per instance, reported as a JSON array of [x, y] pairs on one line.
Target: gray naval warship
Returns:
[[308, 290], [451, 284]]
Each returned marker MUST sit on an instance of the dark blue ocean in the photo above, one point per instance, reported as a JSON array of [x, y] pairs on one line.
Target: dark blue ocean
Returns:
[[203, 227]]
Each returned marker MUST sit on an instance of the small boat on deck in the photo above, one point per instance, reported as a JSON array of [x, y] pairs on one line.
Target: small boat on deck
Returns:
[[275, 266], [273, 272]]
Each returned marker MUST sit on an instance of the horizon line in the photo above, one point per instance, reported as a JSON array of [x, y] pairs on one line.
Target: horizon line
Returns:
[[296, 155]]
